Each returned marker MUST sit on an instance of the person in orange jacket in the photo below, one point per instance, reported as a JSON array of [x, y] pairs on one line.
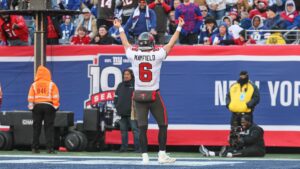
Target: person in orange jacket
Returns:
[[43, 101]]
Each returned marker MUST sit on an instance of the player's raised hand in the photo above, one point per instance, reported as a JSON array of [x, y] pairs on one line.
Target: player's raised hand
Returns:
[[117, 23], [181, 22]]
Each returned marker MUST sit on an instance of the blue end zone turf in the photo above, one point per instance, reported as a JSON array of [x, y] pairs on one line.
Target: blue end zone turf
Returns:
[[89, 162]]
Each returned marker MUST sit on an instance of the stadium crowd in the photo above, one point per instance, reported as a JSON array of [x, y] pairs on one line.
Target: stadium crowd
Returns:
[[208, 22]]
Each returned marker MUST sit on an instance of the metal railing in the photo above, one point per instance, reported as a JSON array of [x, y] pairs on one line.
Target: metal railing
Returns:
[[291, 36]]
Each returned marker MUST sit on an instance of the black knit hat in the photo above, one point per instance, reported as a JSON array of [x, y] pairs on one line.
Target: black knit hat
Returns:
[[244, 72]]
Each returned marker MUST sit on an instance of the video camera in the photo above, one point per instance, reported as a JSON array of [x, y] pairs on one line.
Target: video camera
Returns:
[[108, 116], [235, 134]]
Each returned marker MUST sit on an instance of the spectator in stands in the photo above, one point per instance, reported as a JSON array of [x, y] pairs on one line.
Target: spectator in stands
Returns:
[[115, 34], [227, 20], [94, 9], [162, 10], [67, 30], [244, 39], [296, 23], [106, 13], [233, 14], [172, 23], [127, 9], [4, 4], [29, 20], [123, 103], [274, 20], [217, 8], [241, 99], [233, 29], [103, 38], [81, 37], [88, 3], [204, 12], [176, 3], [261, 9], [245, 21], [89, 22], [289, 14], [193, 19], [13, 29], [222, 37], [92, 5], [248, 141], [231, 4], [58, 4], [43, 101], [257, 25], [253, 3], [142, 20], [207, 30], [243, 6], [169, 2], [275, 38], [276, 4], [53, 30], [2, 43], [73, 4]]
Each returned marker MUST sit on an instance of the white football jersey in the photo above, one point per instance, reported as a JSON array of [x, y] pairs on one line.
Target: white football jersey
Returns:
[[146, 67]]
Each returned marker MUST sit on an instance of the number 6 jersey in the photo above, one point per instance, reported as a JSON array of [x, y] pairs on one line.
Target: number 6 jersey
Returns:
[[146, 67]]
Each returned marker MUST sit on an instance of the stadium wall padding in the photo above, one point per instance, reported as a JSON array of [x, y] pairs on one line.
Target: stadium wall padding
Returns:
[[194, 82]]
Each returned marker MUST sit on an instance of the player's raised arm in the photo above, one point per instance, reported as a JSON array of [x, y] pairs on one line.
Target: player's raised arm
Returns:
[[123, 37], [175, 36]]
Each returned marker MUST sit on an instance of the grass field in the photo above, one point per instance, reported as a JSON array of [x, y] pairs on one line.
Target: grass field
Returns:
[[132, 154], [115, 160]]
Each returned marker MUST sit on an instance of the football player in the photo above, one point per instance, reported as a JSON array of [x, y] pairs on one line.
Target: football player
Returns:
[[146, 60]]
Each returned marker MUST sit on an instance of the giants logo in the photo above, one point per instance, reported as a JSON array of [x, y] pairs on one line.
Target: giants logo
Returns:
[[105, 75]]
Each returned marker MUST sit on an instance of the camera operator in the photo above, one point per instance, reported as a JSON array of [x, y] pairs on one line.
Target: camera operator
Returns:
[[242, 98], [248, 141]]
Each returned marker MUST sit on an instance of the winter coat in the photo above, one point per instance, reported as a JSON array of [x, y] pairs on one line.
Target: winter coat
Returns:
[[245, 105], [123, 96], [22, 32], [43, 90]]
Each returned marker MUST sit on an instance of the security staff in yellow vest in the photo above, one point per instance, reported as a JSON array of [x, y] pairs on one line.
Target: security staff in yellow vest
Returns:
[[242, 98]]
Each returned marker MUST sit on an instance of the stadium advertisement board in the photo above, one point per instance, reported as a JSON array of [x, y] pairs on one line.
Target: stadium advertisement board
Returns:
[[194, 83]]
